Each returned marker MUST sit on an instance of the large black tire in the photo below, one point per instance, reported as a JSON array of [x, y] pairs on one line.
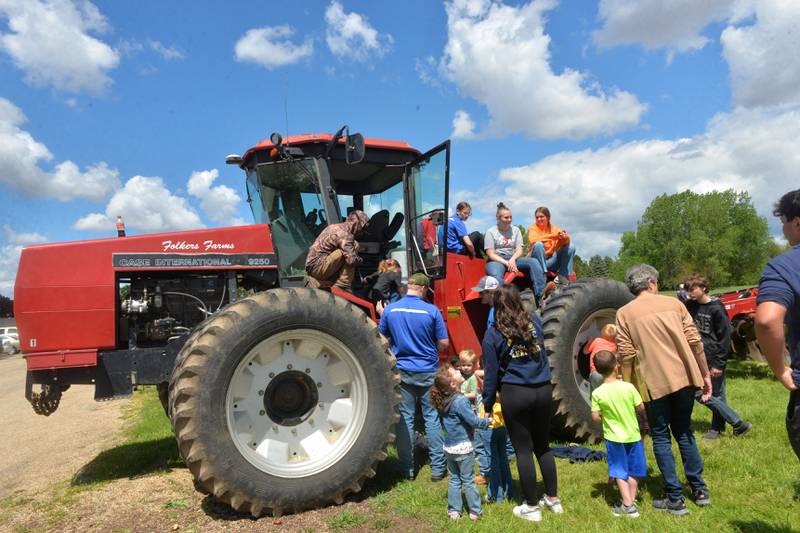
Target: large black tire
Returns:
[[571, 317], [207, 387]]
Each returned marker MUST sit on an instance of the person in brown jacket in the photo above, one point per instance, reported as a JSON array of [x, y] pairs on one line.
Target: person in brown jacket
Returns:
[[661, 353], [333, 257]]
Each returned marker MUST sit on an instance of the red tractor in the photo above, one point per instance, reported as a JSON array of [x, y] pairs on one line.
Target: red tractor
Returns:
[[282, 397]]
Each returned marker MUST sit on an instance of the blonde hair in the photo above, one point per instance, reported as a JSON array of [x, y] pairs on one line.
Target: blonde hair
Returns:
[[609, 330], [387, 264], [467, 356], [442, 387]]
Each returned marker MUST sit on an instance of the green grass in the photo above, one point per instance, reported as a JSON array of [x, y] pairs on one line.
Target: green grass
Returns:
[[345, 520], [148, 445], [754, 481]]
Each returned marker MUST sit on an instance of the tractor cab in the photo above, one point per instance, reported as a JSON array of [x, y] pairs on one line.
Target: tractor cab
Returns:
[[300, 184]]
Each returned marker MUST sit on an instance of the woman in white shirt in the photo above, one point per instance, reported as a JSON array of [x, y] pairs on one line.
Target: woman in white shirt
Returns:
[[503, 244]]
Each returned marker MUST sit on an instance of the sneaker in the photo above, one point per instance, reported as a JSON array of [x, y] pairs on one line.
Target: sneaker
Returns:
[[742, 429], [548, 290], [454, 515], [676, 507], [473, 516], [701, 497], [525, 511], [629, 511], [553, 505], [481, 480], [711, 434]]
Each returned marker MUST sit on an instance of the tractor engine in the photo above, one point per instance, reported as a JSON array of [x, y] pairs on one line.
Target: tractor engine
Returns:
[[155, 309]]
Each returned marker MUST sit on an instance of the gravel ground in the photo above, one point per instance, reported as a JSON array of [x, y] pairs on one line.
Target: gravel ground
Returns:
[[36, 450]]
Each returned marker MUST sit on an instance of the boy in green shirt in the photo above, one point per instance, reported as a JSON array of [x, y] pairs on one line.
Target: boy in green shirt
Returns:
[[616, 403]]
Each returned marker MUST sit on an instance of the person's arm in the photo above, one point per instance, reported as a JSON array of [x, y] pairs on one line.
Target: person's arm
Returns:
[[348, 248], [596, 416], [442, 341], [626, 352], [512, 262], [696, 344], [383, 325], [491, 368], [465, 413], [722, 332], [769, 321], [494, 257], [470, 247]]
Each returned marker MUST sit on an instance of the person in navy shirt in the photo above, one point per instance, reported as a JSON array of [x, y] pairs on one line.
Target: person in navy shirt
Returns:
[[778, 304], [458, 240], [515, 360], [416, 332]]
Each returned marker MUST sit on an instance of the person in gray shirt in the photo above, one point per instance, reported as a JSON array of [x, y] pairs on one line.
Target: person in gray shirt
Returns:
[[503, 245]]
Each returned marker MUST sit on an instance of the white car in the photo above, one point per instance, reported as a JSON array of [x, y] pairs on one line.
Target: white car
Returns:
[[9, 343]]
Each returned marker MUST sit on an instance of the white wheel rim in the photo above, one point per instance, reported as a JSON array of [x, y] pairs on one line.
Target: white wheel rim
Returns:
[[308, 444], [590, 328]]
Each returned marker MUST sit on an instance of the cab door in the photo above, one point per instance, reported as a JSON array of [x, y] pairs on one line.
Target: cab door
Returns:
[[426, 187]]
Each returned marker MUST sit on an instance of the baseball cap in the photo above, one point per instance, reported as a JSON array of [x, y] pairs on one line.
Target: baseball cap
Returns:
[[419, 279], [486, 283]]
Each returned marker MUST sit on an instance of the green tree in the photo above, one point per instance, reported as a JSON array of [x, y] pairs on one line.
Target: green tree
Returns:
[[718, 235], [581, 267]]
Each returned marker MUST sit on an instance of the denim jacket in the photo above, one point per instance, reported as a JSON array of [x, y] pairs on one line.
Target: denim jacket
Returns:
[[459, 420]]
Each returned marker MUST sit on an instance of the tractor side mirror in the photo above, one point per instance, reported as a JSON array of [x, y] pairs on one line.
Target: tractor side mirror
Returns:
[[437, 217], [354, 148]]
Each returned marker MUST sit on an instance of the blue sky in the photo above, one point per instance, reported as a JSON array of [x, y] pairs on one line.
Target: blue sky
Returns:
[[590, 108]]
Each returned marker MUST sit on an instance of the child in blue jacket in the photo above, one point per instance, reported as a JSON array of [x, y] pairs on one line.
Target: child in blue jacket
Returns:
[[459, 420]]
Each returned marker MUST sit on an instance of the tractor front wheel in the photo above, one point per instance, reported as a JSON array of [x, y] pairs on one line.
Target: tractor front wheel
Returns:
[[284, 401], [571, 318]]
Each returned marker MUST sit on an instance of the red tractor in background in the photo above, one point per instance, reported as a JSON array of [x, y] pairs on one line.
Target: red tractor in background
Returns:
[[282, 398]]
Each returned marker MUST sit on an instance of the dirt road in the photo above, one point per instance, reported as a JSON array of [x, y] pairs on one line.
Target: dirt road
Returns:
[[35, 450]]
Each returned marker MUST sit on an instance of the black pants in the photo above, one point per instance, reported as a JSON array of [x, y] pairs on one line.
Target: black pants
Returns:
[[477, 242], [527, 411], [793, 421]]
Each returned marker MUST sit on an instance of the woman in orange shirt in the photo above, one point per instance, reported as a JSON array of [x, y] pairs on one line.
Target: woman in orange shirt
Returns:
[[551, 245]]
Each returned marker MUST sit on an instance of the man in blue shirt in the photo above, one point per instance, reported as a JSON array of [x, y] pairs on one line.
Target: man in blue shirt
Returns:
[[417, 333], [778, 303]]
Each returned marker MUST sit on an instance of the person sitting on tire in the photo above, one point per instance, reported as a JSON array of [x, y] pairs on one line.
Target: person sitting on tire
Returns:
[[458, 241], [503, 244], [417, 332], [333, 257], [550, 245], [607, 341]]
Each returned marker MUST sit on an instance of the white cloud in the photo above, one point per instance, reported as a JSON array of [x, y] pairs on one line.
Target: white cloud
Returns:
[[760, 40], [220, 203], [145, 204], [351, 37], [500, 56], [51, 42], [463, 126], [676, 25], [598, 194], [271, 47], [763, 56], [167, 52], [21, 156], [9, 256]]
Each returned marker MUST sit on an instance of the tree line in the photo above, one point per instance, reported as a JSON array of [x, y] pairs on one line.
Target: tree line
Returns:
[[718, 235]]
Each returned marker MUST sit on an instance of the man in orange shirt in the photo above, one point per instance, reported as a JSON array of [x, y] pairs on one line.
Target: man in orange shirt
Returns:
[[551, 245]]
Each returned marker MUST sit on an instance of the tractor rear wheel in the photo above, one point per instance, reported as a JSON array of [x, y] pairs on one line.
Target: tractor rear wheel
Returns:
[[572, 317], [284, 401]]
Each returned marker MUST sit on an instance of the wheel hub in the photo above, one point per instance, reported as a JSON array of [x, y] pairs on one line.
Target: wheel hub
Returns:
[[290, 398]]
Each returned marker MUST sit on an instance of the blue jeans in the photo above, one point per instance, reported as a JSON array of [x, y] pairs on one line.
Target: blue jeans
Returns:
[[560, 262], [673, 412], [718, 403], [482, 445], [530, 266], [416, 387], [462, 476], [500, 483]]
